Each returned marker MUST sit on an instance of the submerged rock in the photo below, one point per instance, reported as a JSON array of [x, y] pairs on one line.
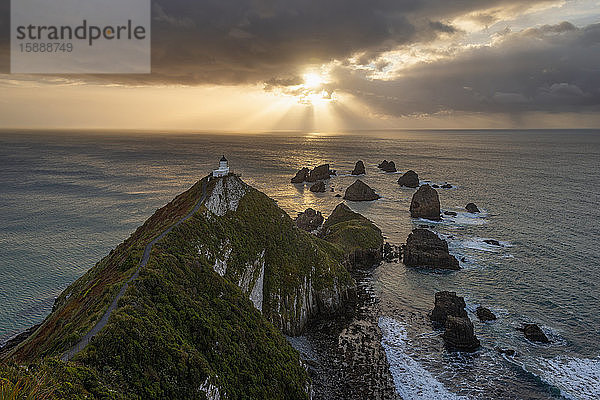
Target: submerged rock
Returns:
[[508, 352], [534, 333], [301, 175], [425, 249], [450, 213], [447, 304], [409, 179], [318, 187], [492, 242], [360, 191], [485, 314], [472, 208], [425, 204], [459, 334], [359, 168], [446, 186], [309, 220], [387, 166]]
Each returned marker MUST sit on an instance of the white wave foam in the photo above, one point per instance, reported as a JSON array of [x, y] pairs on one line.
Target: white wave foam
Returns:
[[467, 218], [480, 244], [577, 378], [412, 381]]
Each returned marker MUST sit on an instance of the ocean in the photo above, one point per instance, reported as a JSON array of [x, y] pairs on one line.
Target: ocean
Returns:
[[68, 198]]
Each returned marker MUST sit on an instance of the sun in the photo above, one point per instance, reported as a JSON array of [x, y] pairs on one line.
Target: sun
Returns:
[[313, 80]]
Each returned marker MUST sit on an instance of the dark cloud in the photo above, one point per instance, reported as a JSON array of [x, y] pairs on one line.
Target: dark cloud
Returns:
[[552, 68], [249, 41], [246, 41]]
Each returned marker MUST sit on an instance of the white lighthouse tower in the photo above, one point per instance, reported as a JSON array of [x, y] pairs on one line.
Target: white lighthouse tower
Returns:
[[223, 168]]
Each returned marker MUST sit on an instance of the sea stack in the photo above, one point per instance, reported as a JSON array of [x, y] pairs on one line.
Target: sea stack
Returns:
[[534, 333], [472, 208], [459, 334], [425, 204], [409, 179], [387, 166], [360, 191], [449, 312], [425, 249], [447, 304], [484, 314], [301, 175], [359, 168], [320, 173]]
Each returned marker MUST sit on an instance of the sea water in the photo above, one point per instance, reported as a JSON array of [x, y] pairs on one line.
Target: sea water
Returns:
[[67, 198]]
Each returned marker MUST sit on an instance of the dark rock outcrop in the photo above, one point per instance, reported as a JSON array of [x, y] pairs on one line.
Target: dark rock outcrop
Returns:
[[493, 242], [472, 208], [321, 172], [447, 304], [446, 186], [425, 249], [409, 179], [338, 195], [425, 204], [360, 191], [359, 168], [534, 333], [309, 220], [318, 187], [387, 166], [391, 253], [301, 175], [450, 213], [508, 352], [485, 314], [459, 334]]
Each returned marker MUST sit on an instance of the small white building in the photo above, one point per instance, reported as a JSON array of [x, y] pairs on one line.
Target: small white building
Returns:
[[223, 168]]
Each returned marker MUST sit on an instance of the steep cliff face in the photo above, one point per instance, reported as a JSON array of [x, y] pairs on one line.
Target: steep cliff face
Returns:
[[288, 275]]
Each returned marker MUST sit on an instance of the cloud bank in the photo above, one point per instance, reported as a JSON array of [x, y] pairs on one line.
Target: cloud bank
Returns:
[[552, 68]]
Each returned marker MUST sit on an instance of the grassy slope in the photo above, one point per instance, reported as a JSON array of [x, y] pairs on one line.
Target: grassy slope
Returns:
[[82, 304], [351, 231]]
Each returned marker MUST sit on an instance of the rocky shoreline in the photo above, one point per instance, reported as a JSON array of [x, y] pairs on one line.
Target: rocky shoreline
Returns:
[[343, 353]]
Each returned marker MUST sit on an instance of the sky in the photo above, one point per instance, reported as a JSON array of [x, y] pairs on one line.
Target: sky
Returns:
[[334, 65]]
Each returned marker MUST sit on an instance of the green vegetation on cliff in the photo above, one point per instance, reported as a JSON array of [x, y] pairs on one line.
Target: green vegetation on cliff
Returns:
[[205, 317], [351, 231], [82, 304]]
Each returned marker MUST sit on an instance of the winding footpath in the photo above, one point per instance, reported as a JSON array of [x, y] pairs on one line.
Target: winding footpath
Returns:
[[104, 320]]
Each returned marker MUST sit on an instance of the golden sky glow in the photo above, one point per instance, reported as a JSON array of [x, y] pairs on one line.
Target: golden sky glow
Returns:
[[437, 78]]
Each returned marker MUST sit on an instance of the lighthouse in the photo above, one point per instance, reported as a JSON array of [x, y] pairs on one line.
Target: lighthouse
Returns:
[[223, 168]]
